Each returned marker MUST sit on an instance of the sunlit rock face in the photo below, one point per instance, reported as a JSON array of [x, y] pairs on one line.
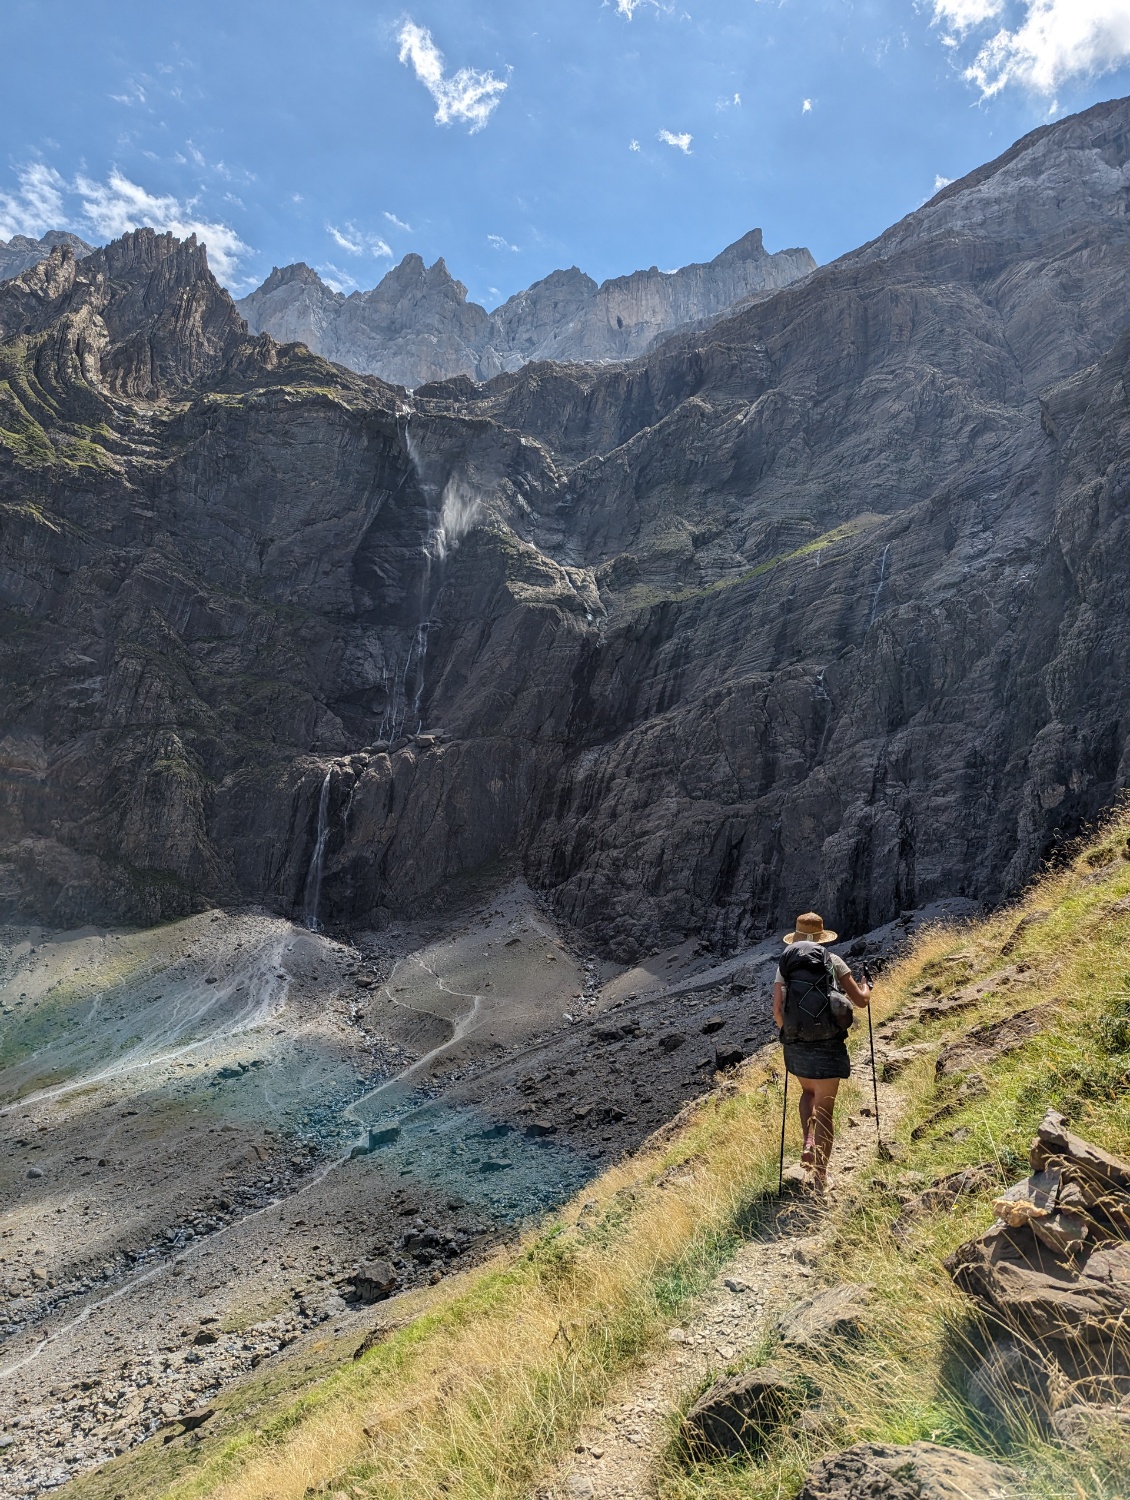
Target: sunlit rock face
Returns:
[[820, 606], [22, 252], [416, 325]]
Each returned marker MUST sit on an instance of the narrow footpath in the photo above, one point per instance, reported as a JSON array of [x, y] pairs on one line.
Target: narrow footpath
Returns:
[[618, 1450]]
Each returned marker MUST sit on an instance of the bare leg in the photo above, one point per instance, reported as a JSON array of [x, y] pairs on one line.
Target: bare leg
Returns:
[[807, 1104], [817, 1111]]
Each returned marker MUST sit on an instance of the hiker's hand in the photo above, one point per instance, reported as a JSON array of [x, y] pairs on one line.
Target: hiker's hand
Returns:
[[858, 991]]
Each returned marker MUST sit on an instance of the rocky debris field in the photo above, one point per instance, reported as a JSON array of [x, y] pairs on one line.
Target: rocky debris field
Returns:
[[225, 1134]]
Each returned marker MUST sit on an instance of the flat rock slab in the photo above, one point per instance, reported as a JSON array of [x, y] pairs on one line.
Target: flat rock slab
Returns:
[[737, 1412], [1054, 1139], [992, 1040], [836, 1313], [919, 1471]]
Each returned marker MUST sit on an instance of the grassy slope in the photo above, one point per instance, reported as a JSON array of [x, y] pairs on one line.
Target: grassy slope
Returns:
[[489, 1380]]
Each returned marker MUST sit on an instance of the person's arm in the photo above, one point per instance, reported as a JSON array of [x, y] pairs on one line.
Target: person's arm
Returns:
[[779, 1004], [858, 994]]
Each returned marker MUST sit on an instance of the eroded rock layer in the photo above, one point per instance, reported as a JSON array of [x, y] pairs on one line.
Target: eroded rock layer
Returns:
[[822, 606]]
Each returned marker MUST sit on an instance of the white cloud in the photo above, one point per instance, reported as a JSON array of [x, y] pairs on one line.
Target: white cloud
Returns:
[[961, 15], [1058, 40], [336, 277], [37, 204], [468, 95], [633, 145], [117, 205], [734, 101], [628, 8], [105, 210], [681, 142], [354, 246], [355, 242], [497, 241], [397, 223], [806, 107], [940, 182]]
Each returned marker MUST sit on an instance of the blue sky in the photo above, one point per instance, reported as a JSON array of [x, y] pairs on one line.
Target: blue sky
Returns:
[[515, 136]]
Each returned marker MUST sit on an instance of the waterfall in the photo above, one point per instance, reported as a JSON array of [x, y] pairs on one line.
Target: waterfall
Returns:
[[312, 892], [879, 586]]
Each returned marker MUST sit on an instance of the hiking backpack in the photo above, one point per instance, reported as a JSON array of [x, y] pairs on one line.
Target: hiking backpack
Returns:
[[815, 1009]]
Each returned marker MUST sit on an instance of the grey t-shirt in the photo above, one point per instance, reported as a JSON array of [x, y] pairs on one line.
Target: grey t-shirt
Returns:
[[838, 965]]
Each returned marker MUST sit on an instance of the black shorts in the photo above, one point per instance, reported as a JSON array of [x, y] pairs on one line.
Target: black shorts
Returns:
[[818, 1059]]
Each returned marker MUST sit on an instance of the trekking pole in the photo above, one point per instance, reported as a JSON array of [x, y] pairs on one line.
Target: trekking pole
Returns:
[[784, 1110], [874, 1077]]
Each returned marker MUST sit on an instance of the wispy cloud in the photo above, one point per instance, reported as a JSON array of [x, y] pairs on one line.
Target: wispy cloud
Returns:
[[337, 278], [104, 210], [468, 95], [36, 205], [356, 242], [633, 145], [132, 93], [806, 106], [117, 205], [730, 101], [397, 223], [498, 243], [628, 8], [681, 140], [941, 182], [1056, 40]]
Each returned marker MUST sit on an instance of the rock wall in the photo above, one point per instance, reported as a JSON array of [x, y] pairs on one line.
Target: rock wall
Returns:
[[820, 606]]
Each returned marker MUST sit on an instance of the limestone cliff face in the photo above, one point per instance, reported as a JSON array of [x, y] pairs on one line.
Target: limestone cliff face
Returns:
[[417, 326], [823, 605], [21, 252]]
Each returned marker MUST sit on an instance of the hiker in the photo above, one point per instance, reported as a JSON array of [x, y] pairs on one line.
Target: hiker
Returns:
[[813, 1017]]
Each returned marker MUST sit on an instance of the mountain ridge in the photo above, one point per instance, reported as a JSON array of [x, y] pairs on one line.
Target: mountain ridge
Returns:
[[417, 325]]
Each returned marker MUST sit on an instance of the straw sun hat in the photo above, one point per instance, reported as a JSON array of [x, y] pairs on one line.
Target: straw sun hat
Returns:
[[810, 929]]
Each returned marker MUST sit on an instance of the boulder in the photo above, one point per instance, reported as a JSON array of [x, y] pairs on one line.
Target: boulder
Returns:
[[1009, 1385], [1033, 1290], [1056, 1265], [835, 1313], [737, 1412], [1079, 1424], [538, 1128], [726, 1058], [375, 1280], [917, 1471]]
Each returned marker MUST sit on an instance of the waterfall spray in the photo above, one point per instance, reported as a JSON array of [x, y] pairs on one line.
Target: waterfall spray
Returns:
[[312, 892]]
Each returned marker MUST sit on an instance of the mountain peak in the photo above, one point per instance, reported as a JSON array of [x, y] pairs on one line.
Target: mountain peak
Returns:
[[416, 325], [163, 319], [21, 252]]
